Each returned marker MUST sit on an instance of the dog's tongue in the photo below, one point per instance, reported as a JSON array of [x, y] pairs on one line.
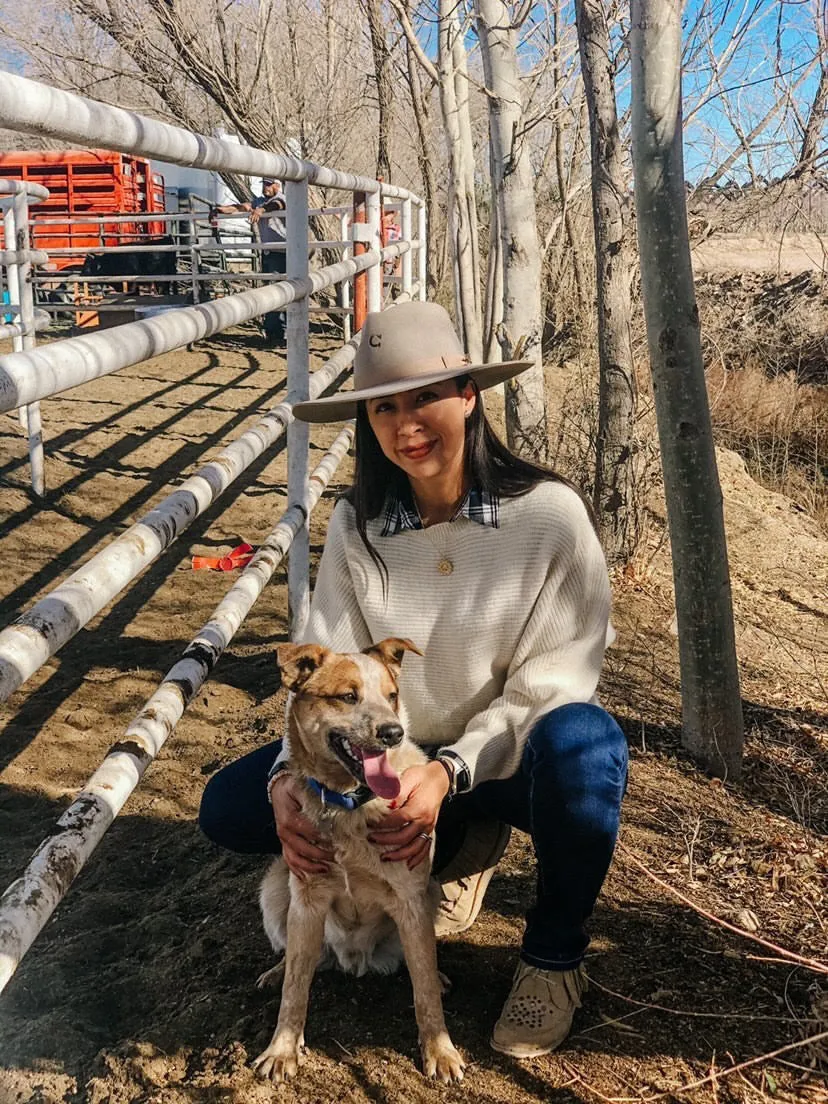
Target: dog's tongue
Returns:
[[380, 776]]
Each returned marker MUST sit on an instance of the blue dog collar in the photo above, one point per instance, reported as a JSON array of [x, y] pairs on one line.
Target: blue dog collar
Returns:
[[349, 801]]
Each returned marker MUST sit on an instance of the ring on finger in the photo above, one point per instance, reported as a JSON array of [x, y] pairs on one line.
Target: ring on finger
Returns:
[[425, 836]]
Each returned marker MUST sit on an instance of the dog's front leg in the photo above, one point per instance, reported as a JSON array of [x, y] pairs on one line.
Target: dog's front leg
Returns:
[[305, 932], [440, 1058]]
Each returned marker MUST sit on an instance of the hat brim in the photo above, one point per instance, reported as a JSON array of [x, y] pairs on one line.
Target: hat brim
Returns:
[[343, 406]]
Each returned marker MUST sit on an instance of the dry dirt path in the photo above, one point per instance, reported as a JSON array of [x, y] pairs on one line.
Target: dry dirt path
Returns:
[[140, 990]]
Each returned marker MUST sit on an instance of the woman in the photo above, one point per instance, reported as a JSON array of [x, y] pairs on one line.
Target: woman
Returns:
[[491, 566]]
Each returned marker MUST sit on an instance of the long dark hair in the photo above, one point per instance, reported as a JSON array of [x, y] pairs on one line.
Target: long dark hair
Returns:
[[490, 465]]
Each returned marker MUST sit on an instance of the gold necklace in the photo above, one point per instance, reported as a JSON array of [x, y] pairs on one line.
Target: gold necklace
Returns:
[[444, 564]]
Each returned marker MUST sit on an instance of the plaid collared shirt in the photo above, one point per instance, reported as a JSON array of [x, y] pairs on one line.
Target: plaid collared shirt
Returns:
[[478, 505]]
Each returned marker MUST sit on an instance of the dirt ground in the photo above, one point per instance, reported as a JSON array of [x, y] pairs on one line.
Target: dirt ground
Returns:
[[140, 989], [758, 252]]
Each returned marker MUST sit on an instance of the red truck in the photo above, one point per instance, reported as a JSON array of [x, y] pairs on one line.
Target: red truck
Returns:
[[94, 183]]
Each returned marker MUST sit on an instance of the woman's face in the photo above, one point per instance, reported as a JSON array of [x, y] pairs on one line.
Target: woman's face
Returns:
[[423, 431]]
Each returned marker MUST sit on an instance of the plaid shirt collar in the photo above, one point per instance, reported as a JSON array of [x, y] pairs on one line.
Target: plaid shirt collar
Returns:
[[478, 505]]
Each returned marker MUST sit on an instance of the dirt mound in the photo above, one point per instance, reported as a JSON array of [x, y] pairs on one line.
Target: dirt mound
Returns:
[[140, 991]]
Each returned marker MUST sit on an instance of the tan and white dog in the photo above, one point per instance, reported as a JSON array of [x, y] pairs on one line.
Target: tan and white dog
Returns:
[[364, 914]]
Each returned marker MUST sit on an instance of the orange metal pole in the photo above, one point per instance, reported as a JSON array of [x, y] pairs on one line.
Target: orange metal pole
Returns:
[[361, 278]]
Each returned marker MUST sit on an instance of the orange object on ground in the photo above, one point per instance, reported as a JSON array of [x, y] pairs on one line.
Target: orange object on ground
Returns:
[[241, 556]]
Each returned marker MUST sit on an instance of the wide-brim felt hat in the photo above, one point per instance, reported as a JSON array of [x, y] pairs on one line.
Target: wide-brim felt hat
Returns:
[[403, 348]]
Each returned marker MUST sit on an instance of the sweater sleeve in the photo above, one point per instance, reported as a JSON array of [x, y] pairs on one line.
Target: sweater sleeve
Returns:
[[335, 619], [558, 658]]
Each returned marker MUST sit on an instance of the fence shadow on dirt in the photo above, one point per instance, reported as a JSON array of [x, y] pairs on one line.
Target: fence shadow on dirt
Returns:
[[159, 943]]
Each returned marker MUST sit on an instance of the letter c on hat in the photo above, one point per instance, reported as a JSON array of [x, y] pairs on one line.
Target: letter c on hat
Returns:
[[375, 340]]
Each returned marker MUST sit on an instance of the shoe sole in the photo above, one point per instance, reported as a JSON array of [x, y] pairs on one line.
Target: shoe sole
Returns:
[[519, 1050]]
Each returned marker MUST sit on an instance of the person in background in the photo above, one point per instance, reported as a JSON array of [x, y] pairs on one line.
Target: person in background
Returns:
[[267, 216]]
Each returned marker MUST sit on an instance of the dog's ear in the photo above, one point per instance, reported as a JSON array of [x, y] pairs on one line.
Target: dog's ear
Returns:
[[297, 662], [391, 652]]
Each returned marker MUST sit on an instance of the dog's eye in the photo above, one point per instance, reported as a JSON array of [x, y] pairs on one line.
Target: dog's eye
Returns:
[[394, 697], [350, 698]]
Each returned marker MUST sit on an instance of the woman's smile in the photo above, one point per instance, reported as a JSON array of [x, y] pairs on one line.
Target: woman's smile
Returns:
[[418, 452]]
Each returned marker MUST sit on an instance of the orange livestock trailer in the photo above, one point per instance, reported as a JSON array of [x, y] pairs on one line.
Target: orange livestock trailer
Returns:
[[95, 183]]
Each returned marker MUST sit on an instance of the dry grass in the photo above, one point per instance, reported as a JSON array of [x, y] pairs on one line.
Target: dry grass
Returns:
[[780, 426]]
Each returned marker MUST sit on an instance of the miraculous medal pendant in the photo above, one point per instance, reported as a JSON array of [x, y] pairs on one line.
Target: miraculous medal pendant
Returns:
[[445, 566]]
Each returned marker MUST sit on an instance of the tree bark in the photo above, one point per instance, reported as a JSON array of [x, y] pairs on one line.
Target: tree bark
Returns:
[[712, 717], [513, 184], [385, 87], [419, 105], [462, 208], [614, 495]]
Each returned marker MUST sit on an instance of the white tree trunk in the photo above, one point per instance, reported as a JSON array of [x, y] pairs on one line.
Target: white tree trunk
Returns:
[[462, 207], [614, 499], [513, 184], [712, 716]]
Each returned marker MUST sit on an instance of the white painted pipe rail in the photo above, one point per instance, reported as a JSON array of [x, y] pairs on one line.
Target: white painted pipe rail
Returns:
[[17, 329], [30, 900], [27, 377], [39, 109], [23, 187], [28, 642]]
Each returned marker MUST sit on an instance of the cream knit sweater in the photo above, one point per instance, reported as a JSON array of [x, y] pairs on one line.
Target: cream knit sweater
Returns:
[[517, 628]]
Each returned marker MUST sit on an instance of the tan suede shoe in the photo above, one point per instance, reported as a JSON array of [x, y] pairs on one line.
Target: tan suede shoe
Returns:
[[464, 881], [537, 1015]]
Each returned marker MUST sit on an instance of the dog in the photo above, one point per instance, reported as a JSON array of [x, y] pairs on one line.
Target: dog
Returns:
[[345, 730]]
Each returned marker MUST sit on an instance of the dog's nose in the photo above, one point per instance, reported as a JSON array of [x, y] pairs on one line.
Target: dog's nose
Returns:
[[390, 734]]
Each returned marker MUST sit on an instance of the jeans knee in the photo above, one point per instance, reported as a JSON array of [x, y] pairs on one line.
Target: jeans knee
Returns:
[[212, 812], [583, 735]]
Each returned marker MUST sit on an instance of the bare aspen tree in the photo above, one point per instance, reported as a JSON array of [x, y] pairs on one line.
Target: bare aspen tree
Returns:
[[812, 131], [513, 184], [462, 204], [451, 77], [614, 495], [385, 86], [420, 107], [711, 706]]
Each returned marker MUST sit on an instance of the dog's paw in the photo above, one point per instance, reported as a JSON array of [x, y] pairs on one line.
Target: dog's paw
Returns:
[[273, 978], [441, 1060], [280, 1061]]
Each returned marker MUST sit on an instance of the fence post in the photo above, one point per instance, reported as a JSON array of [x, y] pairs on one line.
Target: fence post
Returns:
[[373, 209], [345, 286], [193, 236], [298, 383], [16, 236], [360, 246], [406, 236], [422, 259]]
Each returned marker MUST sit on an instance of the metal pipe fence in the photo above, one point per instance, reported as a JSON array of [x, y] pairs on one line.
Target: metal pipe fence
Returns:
[[32, 898], [29, 374]]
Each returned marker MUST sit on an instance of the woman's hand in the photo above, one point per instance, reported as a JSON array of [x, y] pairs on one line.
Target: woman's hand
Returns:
[[407, 830], [303, 849]]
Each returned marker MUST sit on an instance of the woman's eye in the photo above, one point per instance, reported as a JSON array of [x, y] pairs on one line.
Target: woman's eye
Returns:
[[382, 408], [427, 396], [350, 698]]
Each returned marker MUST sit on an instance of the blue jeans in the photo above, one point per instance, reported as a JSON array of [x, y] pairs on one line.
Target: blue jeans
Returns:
[[566, 795]]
